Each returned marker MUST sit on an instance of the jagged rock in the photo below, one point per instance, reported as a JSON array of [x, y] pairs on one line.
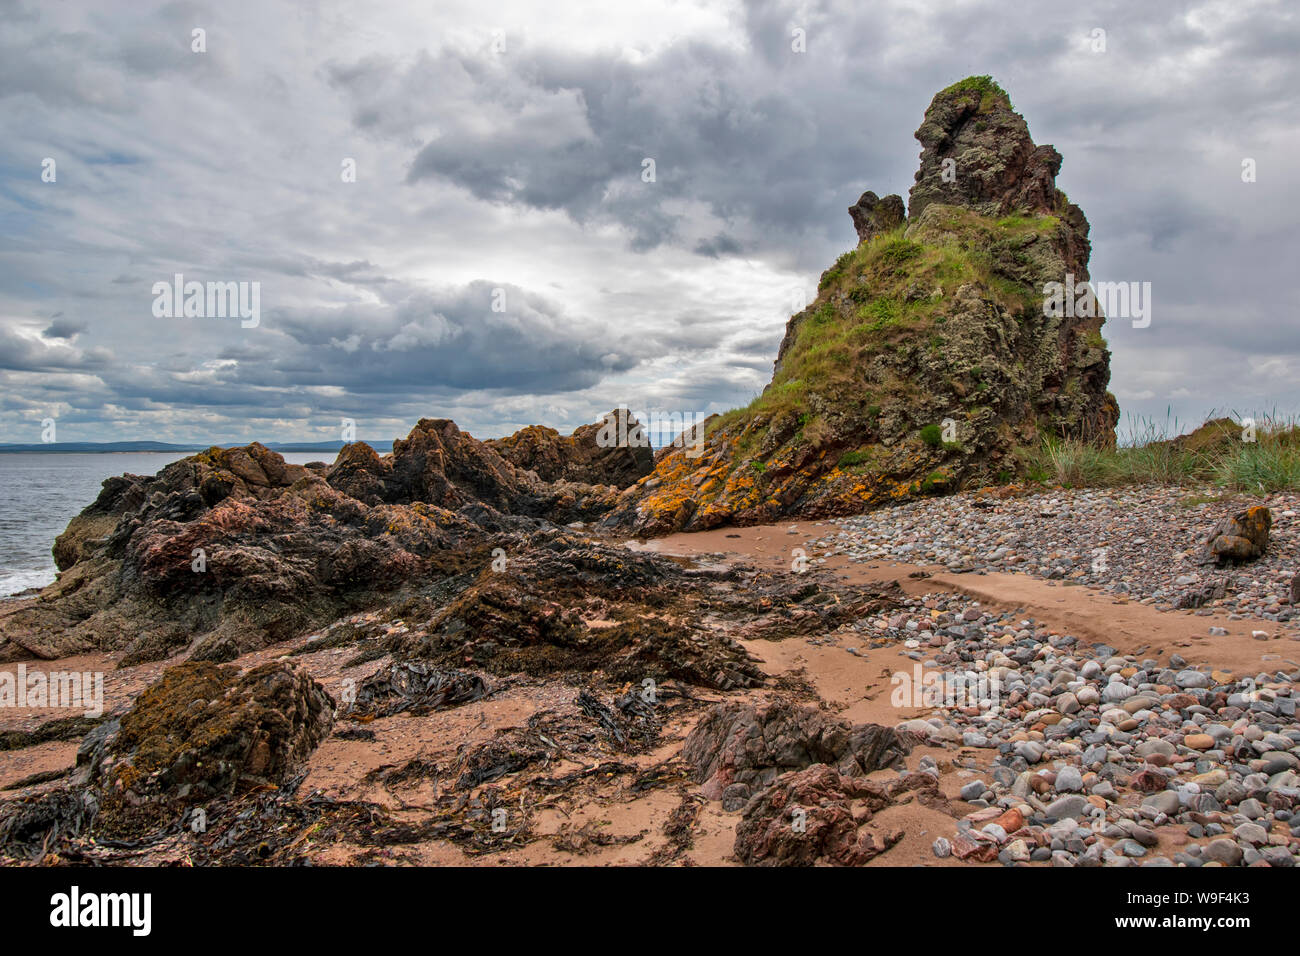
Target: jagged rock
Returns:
[[256, 569], [179, 492], [204, 731], [737, 749], [361, 473], [872, 215], [1239, 537], [216, 648], [91, 750], [236, 545], [927, 360], [614, 451], [991, 163], [815, 814], [440, 465]]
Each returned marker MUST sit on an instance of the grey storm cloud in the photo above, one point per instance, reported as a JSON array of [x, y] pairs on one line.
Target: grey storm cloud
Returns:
[[521, 169], [451, 340], [62, 328], [575, 133], [32, 354]]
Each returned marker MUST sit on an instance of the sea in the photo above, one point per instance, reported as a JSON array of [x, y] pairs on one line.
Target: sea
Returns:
[[41, 492]]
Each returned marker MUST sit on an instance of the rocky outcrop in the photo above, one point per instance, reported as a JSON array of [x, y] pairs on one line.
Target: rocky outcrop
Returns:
[[254, 566], [614, 451], [441, 465], [977, 153], [929, 360], [560, 602], [737, 749], [281, 551], [872, 215], [232, 549]]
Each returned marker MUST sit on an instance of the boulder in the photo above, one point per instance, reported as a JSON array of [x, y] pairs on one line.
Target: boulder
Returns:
[[814, 815], [205, 731], [1239, 537], [746, 746]]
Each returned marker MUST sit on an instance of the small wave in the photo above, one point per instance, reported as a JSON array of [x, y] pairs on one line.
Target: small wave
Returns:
[[11, 582]]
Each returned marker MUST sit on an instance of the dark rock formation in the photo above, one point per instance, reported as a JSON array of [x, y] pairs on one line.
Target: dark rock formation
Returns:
[[927, 360], [737, 749], [438, 464], [240, 549], [533, 611], [255, 562], [872, 215], [614, 451]]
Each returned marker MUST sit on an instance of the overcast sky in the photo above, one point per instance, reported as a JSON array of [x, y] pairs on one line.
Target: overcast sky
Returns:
[[499, 153]]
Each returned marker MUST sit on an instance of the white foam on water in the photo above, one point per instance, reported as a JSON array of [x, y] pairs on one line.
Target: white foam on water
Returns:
[[11, 582]]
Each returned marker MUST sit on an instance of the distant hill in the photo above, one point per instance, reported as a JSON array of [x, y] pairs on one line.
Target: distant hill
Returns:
[[120, 447]]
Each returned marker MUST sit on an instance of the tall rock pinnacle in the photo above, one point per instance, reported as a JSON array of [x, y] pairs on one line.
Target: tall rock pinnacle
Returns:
[[930, 359], [977, 153]]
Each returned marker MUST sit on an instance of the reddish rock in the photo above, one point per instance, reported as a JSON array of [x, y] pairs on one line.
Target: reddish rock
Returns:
[[974, 846], [746, 747], [1148, 781], [810, 816]]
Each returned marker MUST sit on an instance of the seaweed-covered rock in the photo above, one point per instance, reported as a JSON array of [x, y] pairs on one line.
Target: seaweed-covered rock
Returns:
[[240, 549], [562, 602], [414, 687], [205, 731]]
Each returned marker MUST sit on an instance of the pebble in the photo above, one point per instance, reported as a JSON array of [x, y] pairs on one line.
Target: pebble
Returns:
[[1099, 538], [1089, 754]]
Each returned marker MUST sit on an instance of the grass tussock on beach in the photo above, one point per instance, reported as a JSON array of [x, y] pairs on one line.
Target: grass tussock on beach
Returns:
[[1225, 452]]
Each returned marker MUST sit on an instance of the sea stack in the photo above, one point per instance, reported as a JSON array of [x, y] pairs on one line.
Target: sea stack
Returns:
[[927, 359]]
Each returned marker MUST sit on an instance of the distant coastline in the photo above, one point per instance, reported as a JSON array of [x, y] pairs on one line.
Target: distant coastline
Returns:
[[155, 447]]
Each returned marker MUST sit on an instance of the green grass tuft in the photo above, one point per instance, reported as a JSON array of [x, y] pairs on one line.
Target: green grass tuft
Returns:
[[1216, 455]]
